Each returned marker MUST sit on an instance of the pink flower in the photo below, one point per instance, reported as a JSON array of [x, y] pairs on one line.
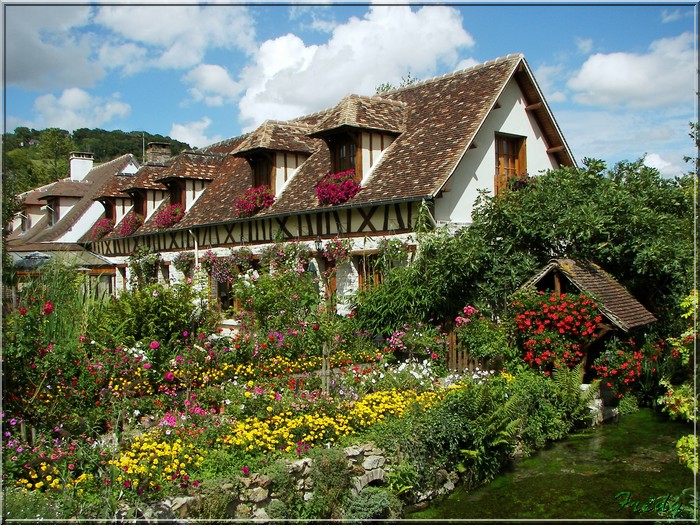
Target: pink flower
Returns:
[[245, 471], [154, 345], [169, 376], [185, 333], [147, 366], [71, 466], [433, 355]]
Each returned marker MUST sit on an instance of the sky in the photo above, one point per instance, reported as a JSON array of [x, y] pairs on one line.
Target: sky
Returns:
[[621, 80]]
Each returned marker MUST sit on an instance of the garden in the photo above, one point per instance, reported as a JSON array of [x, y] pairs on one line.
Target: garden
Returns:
[[113, 405]]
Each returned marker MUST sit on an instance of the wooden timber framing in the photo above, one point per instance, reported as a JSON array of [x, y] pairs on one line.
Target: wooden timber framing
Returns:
[[377, 219]]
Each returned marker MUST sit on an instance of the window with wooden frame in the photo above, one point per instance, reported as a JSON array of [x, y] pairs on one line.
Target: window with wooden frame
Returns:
[[344, 153], [261, 165], [369, 271], [511, 160], [139, 206], [177, 192]]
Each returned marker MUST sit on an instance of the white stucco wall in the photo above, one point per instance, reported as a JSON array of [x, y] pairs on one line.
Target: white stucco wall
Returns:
[[476, 170], [154, 198], [193, 190], [84, 224]]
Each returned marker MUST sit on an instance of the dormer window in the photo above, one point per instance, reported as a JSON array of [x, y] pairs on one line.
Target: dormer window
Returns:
[[26, 221], [261, 165], [343, 149], [177, 192], [52, 212], [139, 204]]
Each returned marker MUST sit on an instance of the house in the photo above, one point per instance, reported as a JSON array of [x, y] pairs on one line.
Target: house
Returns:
[[54, 218], [421, 152]]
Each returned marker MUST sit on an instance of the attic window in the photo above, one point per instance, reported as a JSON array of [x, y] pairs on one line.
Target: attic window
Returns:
[[262, 171], [52, 211], [511, 160], [177, 192], [139, 204], [343, 148]]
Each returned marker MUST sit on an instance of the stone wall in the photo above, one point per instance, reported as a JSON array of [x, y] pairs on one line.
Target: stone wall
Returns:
[[252, 496]]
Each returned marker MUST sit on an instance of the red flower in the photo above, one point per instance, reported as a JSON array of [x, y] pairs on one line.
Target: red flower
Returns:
[[169, 376], [23, 311], [48, 308]]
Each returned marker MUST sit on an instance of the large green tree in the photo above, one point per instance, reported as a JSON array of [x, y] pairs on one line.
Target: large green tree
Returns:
[[632, 222]]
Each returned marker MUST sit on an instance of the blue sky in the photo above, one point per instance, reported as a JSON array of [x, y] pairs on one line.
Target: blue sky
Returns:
[[620, 79]]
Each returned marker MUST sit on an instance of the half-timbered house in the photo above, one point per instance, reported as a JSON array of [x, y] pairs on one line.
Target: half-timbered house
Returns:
[[432, 145]]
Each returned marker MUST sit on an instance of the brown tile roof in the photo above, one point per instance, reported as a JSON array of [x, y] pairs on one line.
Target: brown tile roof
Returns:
[[435, 121], [94, 183], [613, 300], [278, 136], [192, 165], [66, 188], [116, 186], [146, 178], [372, 113]]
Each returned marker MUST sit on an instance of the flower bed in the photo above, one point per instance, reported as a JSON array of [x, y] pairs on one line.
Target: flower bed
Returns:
[[129, 224], [101, 228]]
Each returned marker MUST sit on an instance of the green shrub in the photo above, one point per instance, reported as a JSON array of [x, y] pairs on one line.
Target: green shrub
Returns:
[[373, 503], [331, 483]]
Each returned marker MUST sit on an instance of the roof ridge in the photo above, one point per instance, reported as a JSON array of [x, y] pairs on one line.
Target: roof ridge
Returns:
[[420, 83], [113, 161]]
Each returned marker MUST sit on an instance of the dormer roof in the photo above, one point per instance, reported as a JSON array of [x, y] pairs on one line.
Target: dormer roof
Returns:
[[277, 136], [191, 165], [360, 112]]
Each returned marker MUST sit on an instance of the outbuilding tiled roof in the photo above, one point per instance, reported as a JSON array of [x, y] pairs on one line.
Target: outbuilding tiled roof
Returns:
[[613, 300]]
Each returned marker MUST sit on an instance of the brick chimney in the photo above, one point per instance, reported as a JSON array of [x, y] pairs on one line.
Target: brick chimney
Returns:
[[157, 152], [80, 164]]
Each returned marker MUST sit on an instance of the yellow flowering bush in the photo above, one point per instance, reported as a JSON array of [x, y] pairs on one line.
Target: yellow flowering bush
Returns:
[[153, 460]]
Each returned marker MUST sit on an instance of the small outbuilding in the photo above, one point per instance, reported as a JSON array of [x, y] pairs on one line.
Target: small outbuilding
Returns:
[[621, 311]]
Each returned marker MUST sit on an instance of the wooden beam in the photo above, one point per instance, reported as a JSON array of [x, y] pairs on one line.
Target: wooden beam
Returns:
[[533, 107], [555, 149]]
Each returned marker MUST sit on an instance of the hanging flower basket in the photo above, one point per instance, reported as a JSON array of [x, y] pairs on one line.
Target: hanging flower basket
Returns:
[[337, 188], [337, 251], [101, 228], [183, 262], [169, 216], [254, 200]]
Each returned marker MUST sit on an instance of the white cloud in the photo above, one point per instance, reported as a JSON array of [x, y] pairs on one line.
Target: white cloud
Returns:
[[211, 84], [179, 36], [584, 45], [43, 50], [76, 108], [548, 78], [628, 135], [288, 78], [663, 77], [670, 16], [193, 133]]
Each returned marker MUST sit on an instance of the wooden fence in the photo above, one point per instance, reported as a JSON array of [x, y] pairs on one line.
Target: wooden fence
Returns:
[[459, 359]]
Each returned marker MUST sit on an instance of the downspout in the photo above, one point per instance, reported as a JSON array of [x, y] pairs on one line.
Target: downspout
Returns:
[[196, 248]]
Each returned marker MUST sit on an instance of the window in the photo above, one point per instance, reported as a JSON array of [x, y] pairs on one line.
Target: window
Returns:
[[26, 221], [510, 160], [369, 271], [177, 192], [52, 210], [139, 204], [344, 154], [262, 171]]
